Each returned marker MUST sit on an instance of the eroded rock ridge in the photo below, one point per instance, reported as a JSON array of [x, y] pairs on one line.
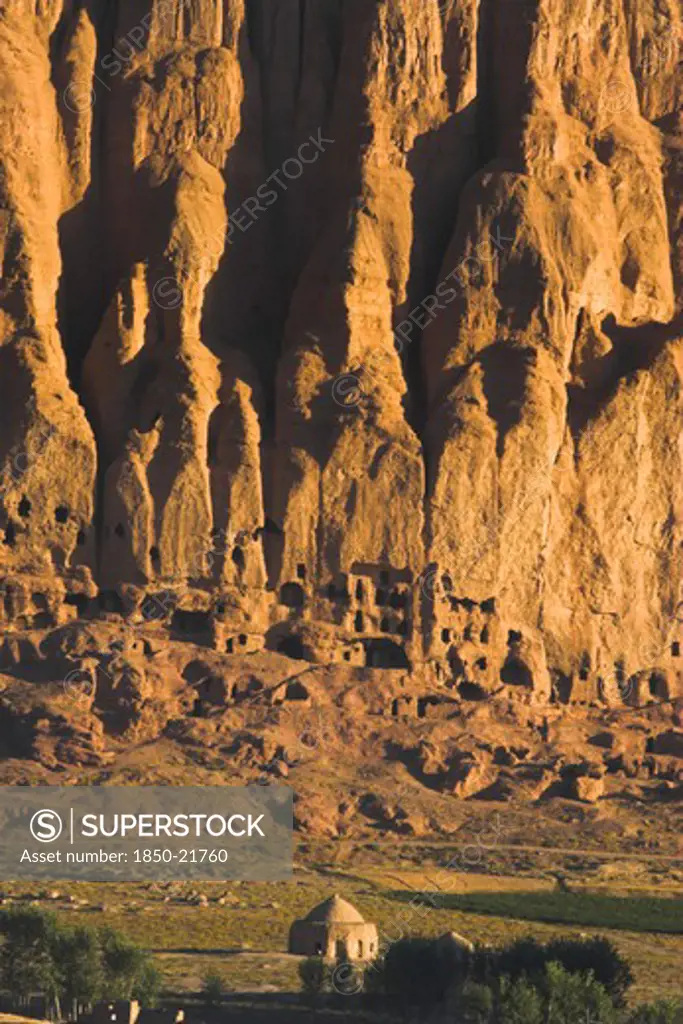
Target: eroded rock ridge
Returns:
[[352, 328]]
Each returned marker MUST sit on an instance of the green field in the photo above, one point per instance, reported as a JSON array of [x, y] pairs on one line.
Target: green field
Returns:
[[623, 913], [244, 937]]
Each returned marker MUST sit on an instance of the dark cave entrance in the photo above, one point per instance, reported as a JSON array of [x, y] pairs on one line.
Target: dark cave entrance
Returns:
[[383, 653], [292, 647], [190, 623]]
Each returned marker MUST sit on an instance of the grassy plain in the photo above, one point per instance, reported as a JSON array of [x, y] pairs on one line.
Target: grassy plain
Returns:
[[240, 930]]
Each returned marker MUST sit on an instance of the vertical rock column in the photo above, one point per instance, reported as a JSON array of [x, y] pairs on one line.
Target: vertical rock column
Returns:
[[175, 420], [521, 366], [47, 451], [349, 476]]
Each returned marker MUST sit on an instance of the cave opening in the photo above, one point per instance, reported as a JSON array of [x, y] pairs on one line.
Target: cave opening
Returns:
[[292, 595], [190, 622], [563, 688], [296, 691], [516, 673], [471, 691], [657, 685], [383, 653], [111, 601], [292, 647], [78, 601], [424, 703]]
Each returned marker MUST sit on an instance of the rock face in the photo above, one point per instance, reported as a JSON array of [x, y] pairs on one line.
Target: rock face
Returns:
[[353, 328]]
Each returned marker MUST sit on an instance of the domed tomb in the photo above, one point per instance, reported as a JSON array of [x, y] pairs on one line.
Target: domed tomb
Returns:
[[334, 930]]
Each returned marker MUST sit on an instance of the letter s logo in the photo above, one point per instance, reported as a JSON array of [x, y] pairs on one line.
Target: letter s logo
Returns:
[[46, 826]]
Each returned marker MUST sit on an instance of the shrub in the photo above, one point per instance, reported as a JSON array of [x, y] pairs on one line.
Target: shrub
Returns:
[[373, 977], [666, 1011], [314, 974], [347, 979], [213, 987]]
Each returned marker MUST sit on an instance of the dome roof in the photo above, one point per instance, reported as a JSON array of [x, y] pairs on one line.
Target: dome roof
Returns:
[[335, 910]]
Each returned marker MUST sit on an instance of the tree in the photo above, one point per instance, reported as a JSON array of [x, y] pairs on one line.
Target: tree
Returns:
[[420, 972], [147, 984], [572, 996], [78, 954], [473, 1003], [598, 955], [123, 963], [27, 961], [530, 958], [519, 1002], [77, 965], [525, 957]]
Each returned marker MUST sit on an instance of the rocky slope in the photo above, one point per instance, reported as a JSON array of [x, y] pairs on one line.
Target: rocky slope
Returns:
[[368, 751], [352, 328]]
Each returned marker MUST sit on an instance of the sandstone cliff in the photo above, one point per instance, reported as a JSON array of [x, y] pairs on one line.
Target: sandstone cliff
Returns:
[[353, 328]]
